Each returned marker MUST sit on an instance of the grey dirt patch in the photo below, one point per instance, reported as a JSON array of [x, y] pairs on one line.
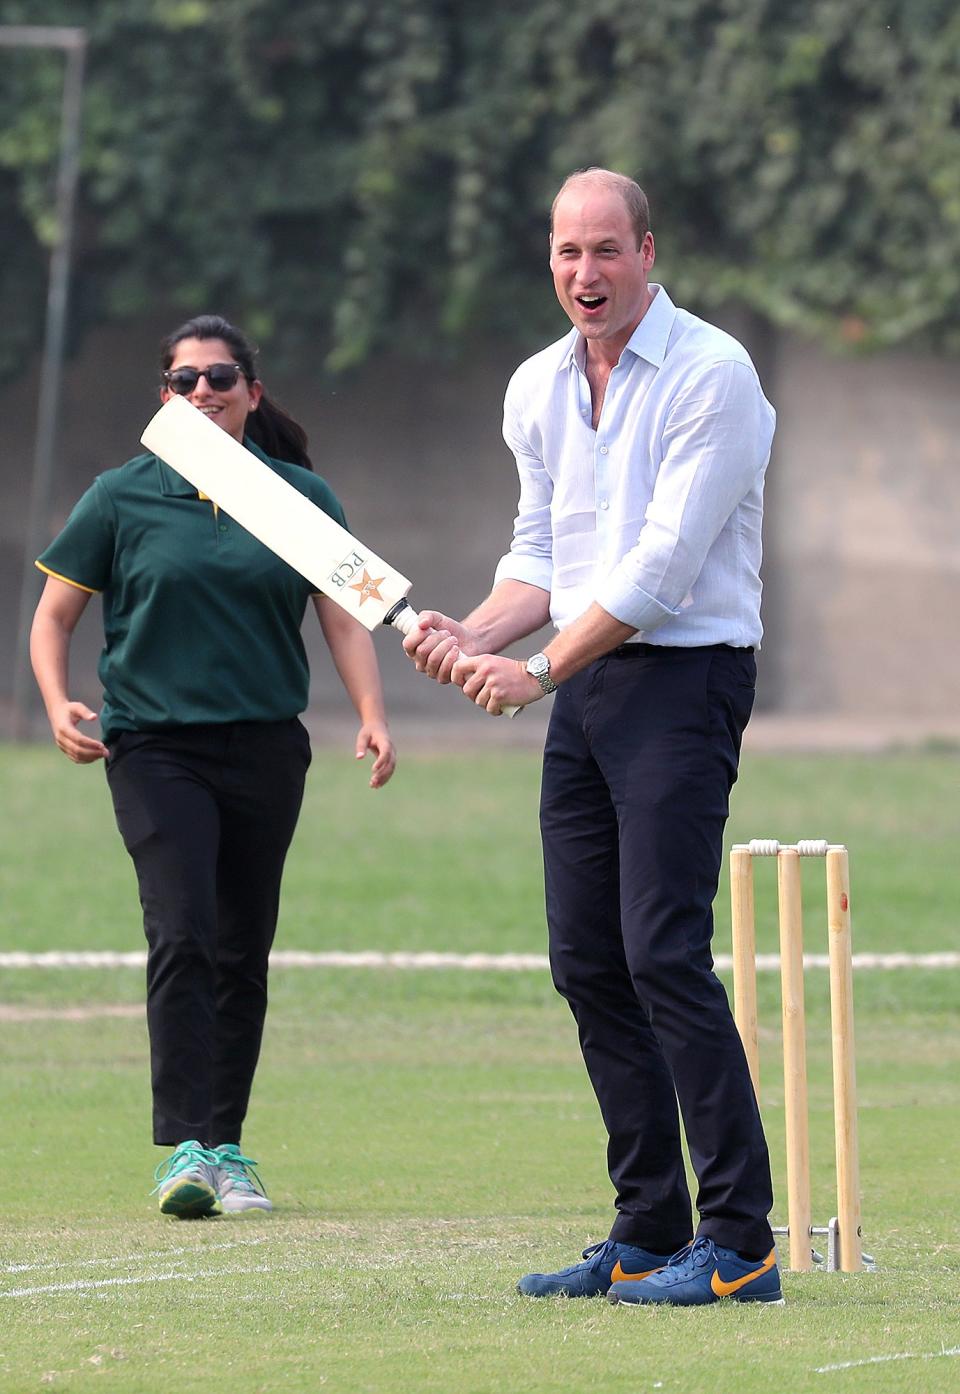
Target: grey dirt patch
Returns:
[[92, 1013]]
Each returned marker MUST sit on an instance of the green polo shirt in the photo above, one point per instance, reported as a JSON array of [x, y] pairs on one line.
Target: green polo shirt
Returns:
[[201, 621]]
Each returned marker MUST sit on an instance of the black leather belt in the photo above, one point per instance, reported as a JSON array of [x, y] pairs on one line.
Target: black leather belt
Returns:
[[635, 650]]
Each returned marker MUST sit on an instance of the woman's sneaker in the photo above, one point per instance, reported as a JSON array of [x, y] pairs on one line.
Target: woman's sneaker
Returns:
[[239, 1185], [187, 1183]]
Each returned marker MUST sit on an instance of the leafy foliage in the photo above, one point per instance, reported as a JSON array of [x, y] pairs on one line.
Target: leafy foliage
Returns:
[[348, 172]]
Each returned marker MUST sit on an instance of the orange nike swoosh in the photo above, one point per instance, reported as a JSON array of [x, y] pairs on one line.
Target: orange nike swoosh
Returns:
[[618, 1275], [723, 1289]]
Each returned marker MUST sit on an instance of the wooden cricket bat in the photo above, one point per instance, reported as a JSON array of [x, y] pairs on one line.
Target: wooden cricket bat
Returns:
[[282, 518]]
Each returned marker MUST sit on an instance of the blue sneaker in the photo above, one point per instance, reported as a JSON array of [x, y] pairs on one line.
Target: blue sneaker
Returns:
[[605, 1263], [703, 1273]]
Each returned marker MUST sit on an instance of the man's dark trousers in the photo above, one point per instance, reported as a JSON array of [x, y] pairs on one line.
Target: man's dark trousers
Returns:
[[641, 754], [207, 813]]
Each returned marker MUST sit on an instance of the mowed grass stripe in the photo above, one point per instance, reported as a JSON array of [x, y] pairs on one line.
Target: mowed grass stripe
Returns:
[[447, 857]]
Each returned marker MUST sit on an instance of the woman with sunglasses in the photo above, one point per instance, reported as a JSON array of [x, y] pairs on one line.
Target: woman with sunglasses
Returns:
[[205, 677]]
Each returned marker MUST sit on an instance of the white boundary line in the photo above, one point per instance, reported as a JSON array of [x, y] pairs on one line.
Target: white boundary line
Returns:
[[884, 1359], [91, 1284], [111, 1259], [485, 963]]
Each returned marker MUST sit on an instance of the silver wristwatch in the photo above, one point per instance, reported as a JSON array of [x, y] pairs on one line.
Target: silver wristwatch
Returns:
[[539, 667]]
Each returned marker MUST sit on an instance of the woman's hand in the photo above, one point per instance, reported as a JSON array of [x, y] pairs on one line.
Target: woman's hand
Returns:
[[81, 749], [58, 613], [374, 736]]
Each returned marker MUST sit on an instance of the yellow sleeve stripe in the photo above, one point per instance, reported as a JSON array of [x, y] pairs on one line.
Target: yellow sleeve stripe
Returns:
[[57, 577]]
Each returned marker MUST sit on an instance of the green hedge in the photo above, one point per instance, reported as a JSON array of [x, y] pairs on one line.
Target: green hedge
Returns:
[[341, 173]]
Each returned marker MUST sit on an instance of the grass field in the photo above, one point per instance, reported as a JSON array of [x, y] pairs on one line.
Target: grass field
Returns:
[[428, 1136]]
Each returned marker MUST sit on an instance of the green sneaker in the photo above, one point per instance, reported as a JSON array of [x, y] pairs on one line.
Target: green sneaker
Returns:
[[239, 1186], [187, 1183]]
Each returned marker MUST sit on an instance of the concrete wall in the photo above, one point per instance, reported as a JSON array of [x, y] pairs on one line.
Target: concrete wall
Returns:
[[862, 565], [864, 535]]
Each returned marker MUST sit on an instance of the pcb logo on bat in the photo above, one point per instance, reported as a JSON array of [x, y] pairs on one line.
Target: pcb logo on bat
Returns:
[[366, 585], [347, 569]]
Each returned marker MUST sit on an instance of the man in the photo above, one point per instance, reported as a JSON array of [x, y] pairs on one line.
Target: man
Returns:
[[641, 440]]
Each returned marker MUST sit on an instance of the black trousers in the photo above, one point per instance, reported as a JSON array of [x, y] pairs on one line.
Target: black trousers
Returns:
[[641, 754], [207, 814]]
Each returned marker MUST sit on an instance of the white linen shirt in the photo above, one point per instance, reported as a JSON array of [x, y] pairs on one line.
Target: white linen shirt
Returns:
[[655, 515]]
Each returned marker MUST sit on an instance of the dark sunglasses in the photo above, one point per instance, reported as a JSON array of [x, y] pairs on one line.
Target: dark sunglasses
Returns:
[[220, 376]]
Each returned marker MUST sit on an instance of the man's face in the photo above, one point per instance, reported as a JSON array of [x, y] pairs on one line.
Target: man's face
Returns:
[[599, 272]]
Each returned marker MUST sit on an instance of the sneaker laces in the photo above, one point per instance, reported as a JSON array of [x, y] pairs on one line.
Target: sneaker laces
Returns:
[[599, 1253], [700, 1253], [240, 1170], [184, 1155]]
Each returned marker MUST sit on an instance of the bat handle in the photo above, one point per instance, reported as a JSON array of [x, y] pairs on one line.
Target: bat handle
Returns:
[[404, 617]]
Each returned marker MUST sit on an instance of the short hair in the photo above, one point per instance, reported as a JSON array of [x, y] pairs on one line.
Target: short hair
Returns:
[[634, 199]]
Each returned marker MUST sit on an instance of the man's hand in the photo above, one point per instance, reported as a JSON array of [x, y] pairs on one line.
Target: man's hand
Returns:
[[494, 683], [437, 643]]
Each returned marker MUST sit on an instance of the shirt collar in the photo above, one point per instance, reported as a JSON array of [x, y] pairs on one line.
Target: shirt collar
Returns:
[[173, 485], [648, 341]]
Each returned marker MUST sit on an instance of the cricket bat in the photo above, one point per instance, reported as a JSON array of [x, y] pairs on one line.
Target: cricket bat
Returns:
[[282, 518]]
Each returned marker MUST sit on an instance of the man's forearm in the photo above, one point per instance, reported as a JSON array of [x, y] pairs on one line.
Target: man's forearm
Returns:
[[595, 633], [511, 611]]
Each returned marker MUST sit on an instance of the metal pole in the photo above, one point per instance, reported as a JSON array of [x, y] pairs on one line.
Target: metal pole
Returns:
[[74, 42]]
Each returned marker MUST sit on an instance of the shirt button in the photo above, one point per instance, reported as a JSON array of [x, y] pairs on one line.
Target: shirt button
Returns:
[[603, 450], [223, 527], [604, 503]]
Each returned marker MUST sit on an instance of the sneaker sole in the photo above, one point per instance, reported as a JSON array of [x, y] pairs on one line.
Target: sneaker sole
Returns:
[[771, 1301], [190, 1200], [246, 1203]]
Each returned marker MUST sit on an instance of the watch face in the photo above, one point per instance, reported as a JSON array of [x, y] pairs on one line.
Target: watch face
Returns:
[[539, 667]]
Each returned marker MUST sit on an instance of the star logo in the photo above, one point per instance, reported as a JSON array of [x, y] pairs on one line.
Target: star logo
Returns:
[[368, 587]]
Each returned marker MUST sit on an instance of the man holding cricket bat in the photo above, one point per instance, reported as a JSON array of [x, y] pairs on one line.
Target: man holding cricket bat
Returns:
[[641, 441], [205, 676]]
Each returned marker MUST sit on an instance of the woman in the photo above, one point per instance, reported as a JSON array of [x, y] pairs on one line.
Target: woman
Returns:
[[204, 676]]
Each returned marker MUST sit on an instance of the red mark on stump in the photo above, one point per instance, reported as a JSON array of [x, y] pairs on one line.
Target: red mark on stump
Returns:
[[844, 903]]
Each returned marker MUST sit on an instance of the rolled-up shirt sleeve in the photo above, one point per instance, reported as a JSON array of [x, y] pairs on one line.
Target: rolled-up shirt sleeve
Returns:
[[716, 438], [530, 557]]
